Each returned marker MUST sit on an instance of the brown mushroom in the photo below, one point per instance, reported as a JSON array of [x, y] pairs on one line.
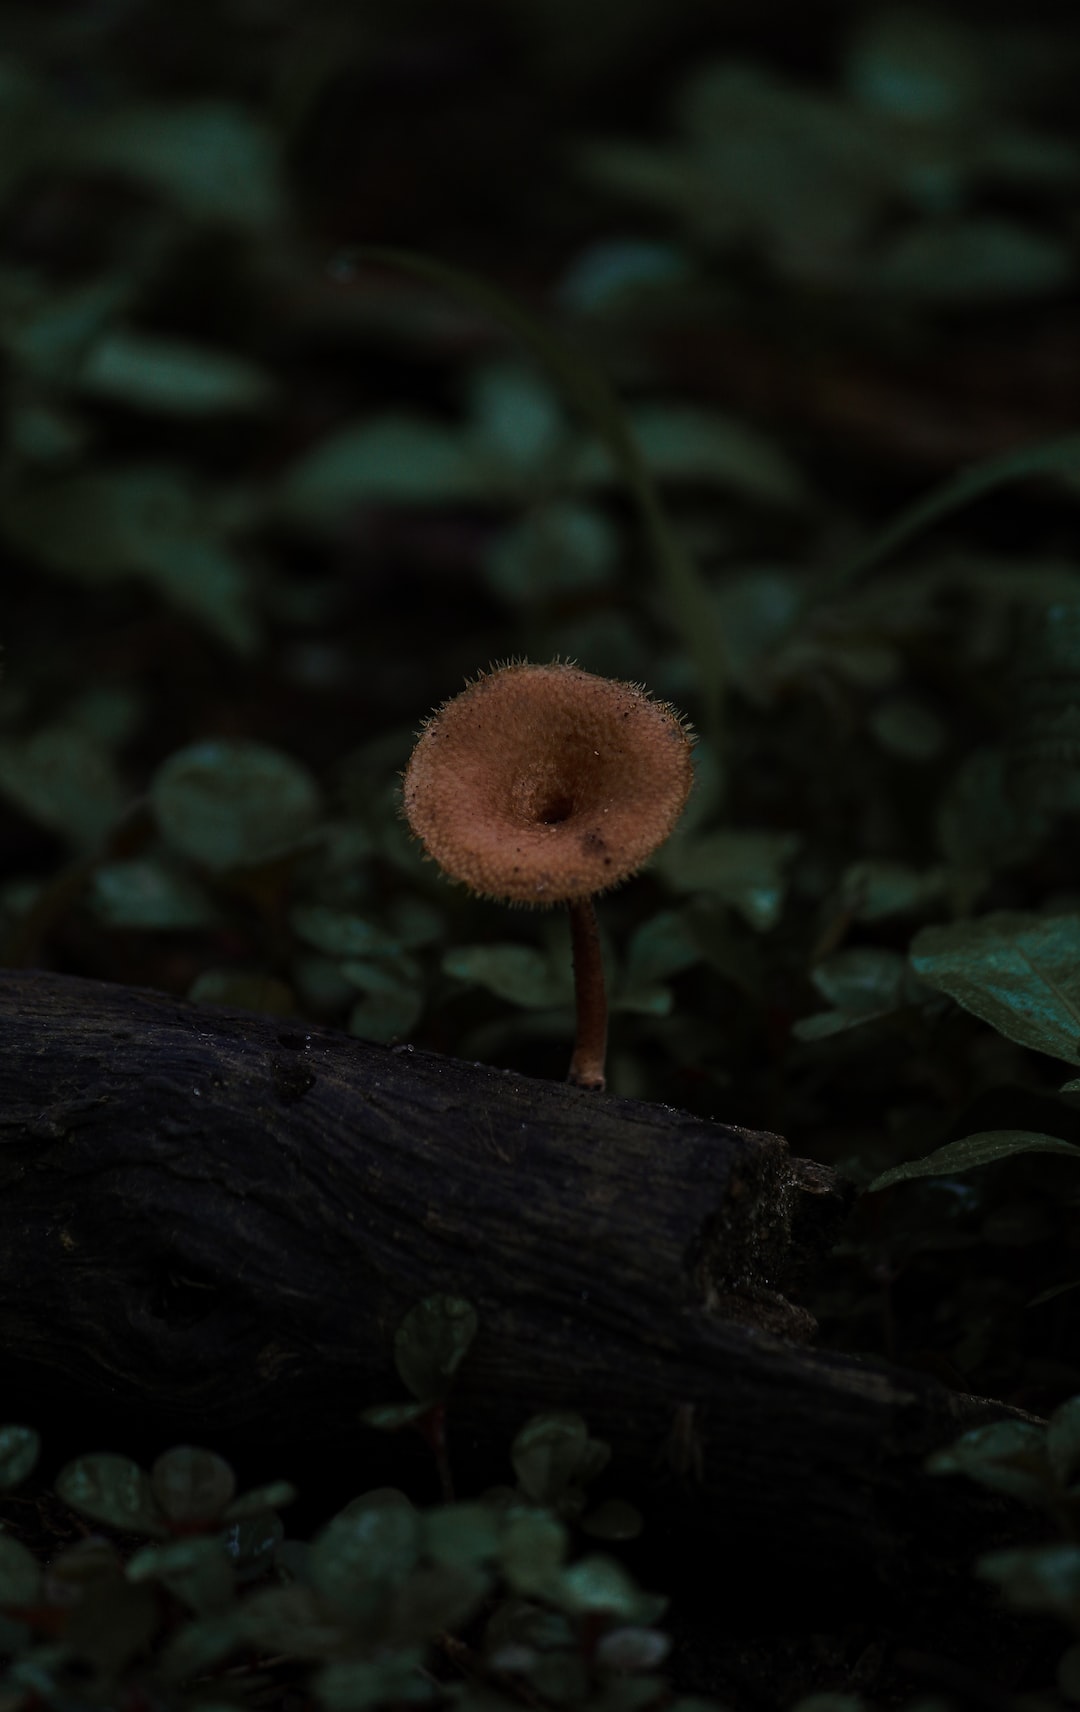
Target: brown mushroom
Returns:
[[542, 785]]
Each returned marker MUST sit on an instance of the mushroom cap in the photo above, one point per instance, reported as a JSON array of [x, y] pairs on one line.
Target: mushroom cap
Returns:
[[547, 784]]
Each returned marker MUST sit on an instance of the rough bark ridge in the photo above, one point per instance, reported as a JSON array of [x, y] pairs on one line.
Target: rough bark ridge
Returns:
[[215, 1221]]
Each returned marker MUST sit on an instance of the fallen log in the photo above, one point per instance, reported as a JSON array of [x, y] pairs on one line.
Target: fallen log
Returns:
[[212, 1222]]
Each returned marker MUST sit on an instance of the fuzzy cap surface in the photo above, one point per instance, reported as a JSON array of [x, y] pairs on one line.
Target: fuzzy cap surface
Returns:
[[545, 784]]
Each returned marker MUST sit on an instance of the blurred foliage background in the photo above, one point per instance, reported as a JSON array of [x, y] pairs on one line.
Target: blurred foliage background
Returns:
[[266, 499]]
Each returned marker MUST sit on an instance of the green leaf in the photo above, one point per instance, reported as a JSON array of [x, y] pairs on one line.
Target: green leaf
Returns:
[[252, 1541], [48, 333], [20, 1573], [587, 390], [980, 259], [533, 1551], [64, 780], [370, 1547], [142, 521], [875, 889], [1020, 973], [599, 1584], [684, 443], [613, 271], [198, 1572], [1063, 1441], [1036, 1578], [745, 869], [233, 804], [111, 1489], [916, 67], [980, 822], [518, 973], [865, 979], [548, 1453], [296, 1620], [631, 1649], [560, 549], [516, 420], [199, 1646], [214, 160], [1006, 1456], [388, 1417], [191, 1485], [340, 933], [172, 377], [1046, 457], [20, 1448], [863, 983], [354, 1685], [984, 1148], [660, 948], [260, 1499], [436, 1599], [394, 1001], [462, 1534], [431, 1343], [758, 610], [149, 894], [392, 460], [908, 728]]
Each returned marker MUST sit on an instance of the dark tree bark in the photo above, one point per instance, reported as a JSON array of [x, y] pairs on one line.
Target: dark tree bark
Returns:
[[212, 1222]]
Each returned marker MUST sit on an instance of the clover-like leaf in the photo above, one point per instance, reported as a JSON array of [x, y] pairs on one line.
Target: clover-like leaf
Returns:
[[1007, 1456], [370, 1547], [532, 1551], [393, 1679], [20, 1448], [193, 1486], [1037, 1578], [198, 1572], [632, 1649], [20, 1572], [433, 1599], [599, 1584], [746, 869], [431, 1343], [462, 1534], [1063, 1440], [261, 1499], [112, 1489], [518, 973], [548, 1453], [233, 804], [389, 1417]]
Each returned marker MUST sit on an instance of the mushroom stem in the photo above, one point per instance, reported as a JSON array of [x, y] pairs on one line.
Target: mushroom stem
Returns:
[[590, 1047]]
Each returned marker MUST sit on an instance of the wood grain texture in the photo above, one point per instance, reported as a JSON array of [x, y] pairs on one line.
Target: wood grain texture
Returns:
[[214, 1221]]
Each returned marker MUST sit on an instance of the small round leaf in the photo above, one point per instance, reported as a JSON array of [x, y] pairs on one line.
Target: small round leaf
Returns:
[[233, 804], [431, 1343], [192, 1486], [111, 1489], [20, 1448], [548, 1453], [20, 1573]]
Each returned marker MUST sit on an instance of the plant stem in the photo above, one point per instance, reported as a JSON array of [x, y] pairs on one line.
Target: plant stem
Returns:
[[590, 1047]]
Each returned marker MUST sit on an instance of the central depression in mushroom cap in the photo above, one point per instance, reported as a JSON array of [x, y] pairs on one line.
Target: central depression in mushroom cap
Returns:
[[546, 784]]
